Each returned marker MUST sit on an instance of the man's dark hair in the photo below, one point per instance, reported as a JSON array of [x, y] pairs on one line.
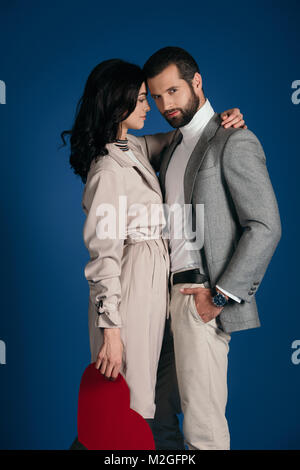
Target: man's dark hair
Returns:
[[166, 56]]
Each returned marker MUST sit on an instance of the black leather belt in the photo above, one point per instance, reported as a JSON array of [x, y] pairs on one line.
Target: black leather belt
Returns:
[[189, 277]]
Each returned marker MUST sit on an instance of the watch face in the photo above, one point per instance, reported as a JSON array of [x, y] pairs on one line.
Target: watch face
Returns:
[[219, 300]]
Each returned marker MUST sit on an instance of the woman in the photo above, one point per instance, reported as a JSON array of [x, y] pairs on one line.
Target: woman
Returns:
[[128, 268]]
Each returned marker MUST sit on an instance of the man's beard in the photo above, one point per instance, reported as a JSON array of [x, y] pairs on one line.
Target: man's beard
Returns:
[[186, 114]]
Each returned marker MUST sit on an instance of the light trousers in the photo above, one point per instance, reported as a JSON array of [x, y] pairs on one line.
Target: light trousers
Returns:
[[201, 357]]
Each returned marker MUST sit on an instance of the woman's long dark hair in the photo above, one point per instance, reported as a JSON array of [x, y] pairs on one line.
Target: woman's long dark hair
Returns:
[[110, 96]]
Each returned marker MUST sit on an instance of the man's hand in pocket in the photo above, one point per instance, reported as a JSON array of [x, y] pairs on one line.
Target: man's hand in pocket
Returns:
[[203, 302]]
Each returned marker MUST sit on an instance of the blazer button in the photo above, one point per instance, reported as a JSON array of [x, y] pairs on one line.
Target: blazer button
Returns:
[[253, 288], [250, 292], [255, 283]]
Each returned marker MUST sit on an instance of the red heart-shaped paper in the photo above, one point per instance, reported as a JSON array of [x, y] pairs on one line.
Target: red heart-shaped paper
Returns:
[[105, 421]]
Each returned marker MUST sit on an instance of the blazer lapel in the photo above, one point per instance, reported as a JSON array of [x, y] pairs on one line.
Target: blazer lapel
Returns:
[[197, 157], [166, 160]]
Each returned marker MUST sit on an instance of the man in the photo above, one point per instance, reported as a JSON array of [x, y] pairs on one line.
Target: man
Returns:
[[212, 286]]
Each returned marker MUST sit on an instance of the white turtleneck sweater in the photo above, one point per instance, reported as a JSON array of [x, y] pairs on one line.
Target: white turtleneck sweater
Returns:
[[181, 257]]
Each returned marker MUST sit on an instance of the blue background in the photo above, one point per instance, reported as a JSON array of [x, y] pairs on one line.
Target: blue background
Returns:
[[248, 57]]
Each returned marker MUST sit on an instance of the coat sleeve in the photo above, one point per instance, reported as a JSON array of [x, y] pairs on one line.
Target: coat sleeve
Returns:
[[101, 204], [153, 146], [248, 181]]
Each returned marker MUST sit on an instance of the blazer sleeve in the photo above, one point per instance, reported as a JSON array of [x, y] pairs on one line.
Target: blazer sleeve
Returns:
[[103, 270], [154, 145], [248, 181]]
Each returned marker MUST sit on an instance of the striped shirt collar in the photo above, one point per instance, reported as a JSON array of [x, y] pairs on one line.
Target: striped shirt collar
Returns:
[[122, 144]]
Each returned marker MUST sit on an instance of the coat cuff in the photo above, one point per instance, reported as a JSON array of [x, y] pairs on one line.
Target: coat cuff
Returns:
[[245, 292], [103, 321], [233, 297], [108, 315]]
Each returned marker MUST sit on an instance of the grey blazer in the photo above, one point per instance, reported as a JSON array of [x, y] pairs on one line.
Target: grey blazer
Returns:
[[227, 173]]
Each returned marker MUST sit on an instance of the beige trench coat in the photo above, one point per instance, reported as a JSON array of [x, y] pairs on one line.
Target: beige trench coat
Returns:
[[128, 275]]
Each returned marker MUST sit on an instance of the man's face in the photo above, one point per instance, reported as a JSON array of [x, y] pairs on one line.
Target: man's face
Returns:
[[175, 98]]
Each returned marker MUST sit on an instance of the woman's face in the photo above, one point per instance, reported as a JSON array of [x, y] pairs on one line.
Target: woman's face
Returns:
[[136, 119]]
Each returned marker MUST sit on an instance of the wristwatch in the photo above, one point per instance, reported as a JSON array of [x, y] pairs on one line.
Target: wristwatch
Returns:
[[219, 300]]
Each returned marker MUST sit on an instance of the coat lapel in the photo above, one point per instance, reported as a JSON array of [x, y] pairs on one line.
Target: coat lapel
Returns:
[[166, 160], [145, 169], [197, 157]]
